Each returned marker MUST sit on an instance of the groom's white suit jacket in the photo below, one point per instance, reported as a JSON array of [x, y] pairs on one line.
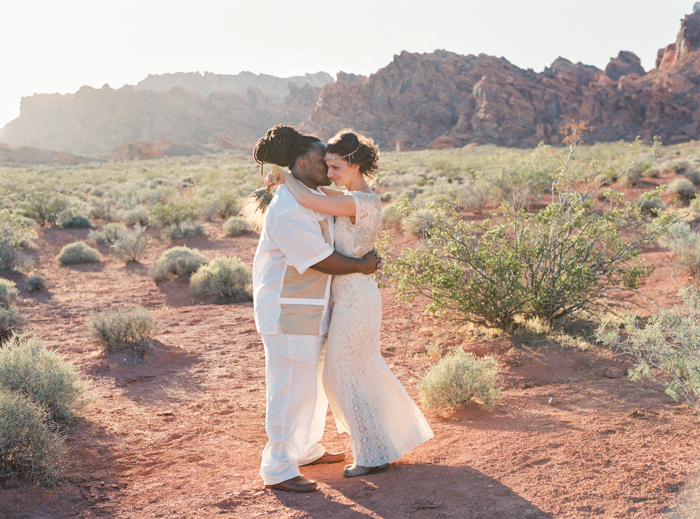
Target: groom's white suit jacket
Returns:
[[289, 297]]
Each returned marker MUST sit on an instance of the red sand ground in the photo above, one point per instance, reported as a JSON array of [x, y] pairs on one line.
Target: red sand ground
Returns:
[[180, 434]]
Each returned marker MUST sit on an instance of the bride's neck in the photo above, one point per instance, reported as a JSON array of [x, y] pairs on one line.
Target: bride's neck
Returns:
[[357, 184]]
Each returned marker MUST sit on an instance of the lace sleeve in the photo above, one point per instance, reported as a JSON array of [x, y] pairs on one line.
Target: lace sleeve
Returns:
[[368, 219]]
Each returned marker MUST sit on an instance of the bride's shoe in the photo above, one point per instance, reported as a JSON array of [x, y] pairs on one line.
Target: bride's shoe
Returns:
[[352, 471]]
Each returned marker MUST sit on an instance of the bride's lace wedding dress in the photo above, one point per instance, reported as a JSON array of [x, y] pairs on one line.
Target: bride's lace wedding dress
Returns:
[[367, 399]]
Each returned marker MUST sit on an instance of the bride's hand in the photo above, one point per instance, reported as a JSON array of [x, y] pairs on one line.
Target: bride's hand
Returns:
[[270, 183]]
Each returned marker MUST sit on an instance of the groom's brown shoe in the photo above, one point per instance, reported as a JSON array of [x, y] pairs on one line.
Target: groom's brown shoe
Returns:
[[328, 457], [297, 484]]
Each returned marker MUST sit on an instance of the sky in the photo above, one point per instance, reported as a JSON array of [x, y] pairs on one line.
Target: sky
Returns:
[[56, 47]]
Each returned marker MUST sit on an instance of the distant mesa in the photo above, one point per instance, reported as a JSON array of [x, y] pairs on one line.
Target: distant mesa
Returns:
[[179, 107], [418, 101]]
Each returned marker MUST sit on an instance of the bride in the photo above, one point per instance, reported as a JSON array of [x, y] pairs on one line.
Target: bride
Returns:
[[367, 400]]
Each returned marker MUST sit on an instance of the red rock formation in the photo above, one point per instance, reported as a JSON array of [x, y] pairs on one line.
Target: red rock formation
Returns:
[[443, 99], [625, 63]]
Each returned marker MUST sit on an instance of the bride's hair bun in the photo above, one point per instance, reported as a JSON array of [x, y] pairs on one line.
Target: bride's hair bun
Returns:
[[356, 148]]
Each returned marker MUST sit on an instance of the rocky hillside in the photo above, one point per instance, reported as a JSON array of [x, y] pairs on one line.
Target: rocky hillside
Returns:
[[444, 99], [93, 121], [437, 100]]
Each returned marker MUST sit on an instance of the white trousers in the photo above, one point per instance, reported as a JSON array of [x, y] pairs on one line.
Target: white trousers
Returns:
[[296, 404]]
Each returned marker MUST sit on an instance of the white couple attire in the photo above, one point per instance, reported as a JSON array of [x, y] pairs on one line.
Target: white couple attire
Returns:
[[292, 312]]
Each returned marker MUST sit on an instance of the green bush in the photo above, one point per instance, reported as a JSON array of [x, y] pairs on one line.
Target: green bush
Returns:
[[225, 279], [109, 233], [682, 187], [693, 175], [78, 252], [13, 259], [650, 206], [26, 366], [36, 284], [178, 261], [76, 222], [130, 246], [666, 349], [550, 263], [125, 328], [11, 322], [29, 447], [236, 226], [8, 292], [44, 207], [458, 379], [172, 213], [182, 231], [631, 178], [392, 215], [14, 231], [137, 216], [686, 244]]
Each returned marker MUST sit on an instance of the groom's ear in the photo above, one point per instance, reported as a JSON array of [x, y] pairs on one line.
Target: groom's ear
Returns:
[[302, 163]]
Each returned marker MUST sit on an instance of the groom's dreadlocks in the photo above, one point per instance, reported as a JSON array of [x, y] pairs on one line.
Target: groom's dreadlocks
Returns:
[[282, 145]]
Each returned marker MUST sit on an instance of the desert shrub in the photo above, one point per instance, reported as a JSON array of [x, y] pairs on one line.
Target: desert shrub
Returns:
[[96, 191], [686, 244], [669, 344], [666, 168], [650, 206], [172, 213], [44, 207], [458, 379], [14, 235], [76, 222], [125, 328], [652, 172], [550, 263], [599, 179], [78, 252], [29, 447], [110, 233], [178, 261], [182, 230], [413, 226], [236, 226], [680, 166], [473, 197], [13, 259], [392, 215], [222, 204], [36, 284], [567, 257], [693, 175], [8, 292], [130, 246], [631, 178], [26, 366], [682, 187], [225, 279], [11, 322], [138, 215], [14, 231], [102, 208]]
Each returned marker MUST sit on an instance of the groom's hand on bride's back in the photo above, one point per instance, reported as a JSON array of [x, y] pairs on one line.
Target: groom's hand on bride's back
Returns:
[[337, 264], [373, 262]]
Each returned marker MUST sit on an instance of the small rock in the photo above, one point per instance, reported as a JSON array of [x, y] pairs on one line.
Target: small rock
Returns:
[[551, 401]]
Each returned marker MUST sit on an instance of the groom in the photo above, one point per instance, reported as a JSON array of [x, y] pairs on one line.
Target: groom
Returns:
[[292, 272]]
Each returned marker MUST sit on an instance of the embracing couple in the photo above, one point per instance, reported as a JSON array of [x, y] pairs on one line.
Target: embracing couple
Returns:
[[319, 313]]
